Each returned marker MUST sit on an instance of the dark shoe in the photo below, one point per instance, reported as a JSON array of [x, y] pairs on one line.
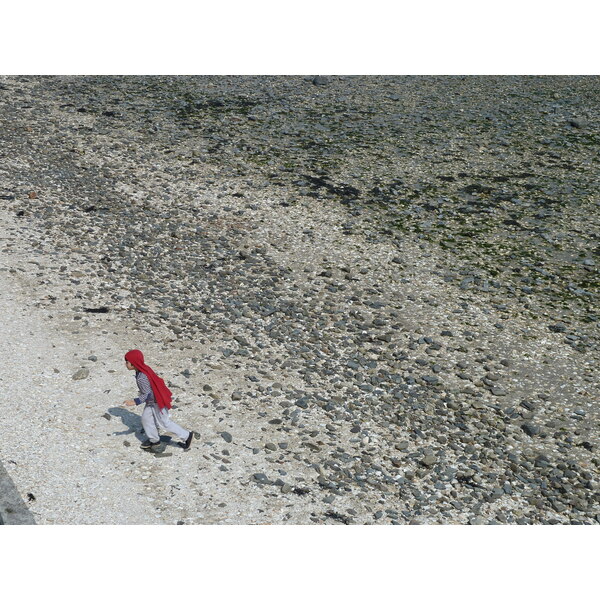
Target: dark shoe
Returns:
[[185, 445], [148, 444]]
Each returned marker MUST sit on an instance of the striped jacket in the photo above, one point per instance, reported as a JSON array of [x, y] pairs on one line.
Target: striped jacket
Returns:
[[146, 393]]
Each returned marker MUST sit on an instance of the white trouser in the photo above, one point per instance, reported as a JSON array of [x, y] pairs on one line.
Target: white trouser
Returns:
[[153, 418]]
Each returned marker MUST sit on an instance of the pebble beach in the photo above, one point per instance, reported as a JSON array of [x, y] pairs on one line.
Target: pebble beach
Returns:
[[375, 299]]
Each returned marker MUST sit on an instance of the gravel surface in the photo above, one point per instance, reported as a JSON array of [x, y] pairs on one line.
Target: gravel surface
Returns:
[[374, 298]]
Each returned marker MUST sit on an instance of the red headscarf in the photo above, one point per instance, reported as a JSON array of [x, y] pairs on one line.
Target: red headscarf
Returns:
[[162, 393]]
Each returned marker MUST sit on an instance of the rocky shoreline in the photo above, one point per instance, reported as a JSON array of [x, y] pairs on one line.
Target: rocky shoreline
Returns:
[[385, 286]]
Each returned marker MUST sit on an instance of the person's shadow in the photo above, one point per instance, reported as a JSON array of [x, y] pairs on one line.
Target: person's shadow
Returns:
[[133, 422]]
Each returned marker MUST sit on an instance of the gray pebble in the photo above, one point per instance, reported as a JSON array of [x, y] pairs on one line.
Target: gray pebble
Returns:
[[82, 373], [530, 429], [429, 460]]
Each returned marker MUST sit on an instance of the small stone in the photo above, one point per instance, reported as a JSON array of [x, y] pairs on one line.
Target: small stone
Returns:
[[530, 429], [576, 123], [81, 374], [107, 416], [537, 502], [270, 446], [497, 492], [320, 80], [541, 461], [226, 436], [158, 454], [429, 460], [557, 328], [496, 391]]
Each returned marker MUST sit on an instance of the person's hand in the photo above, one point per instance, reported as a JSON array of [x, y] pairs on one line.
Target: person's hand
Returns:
[[129, 403]]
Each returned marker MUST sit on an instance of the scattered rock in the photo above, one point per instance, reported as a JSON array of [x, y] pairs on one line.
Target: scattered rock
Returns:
[[530, 429], [80, 374], [408, 250], [261, 478], [429, 460]]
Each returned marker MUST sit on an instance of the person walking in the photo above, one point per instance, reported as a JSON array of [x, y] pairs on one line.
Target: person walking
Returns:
[[157, 398]]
